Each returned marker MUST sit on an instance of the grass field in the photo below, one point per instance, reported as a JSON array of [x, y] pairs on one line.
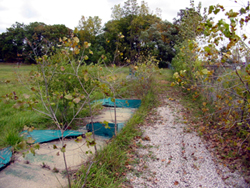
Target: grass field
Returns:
[[13, 120]]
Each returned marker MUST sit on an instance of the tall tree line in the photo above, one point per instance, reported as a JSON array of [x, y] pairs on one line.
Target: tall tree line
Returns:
[[134, 30], [16, 43]]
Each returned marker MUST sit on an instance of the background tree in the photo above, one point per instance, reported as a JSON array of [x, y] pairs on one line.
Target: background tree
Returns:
[[11, 43], [133, 20], [15, 41], [116, 12], [159, 40]]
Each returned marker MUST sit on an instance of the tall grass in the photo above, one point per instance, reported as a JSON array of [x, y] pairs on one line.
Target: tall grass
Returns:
[[13, 120]]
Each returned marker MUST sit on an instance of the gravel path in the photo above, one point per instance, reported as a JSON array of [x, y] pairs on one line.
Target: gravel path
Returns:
[[172, 157]]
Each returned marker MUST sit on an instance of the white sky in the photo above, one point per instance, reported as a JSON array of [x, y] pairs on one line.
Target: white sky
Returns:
[[69, 12]]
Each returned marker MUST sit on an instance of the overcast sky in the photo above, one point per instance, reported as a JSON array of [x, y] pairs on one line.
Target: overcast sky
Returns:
[[69, 12]]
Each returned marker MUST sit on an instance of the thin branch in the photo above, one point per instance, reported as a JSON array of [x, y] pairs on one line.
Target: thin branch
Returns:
[[87, 173], [42, 112], [243, 142]]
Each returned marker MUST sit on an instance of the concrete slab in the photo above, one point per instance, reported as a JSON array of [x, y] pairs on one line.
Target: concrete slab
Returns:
[[38, 171], [107, 114]]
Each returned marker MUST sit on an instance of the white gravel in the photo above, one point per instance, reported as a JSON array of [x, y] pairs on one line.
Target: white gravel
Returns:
[[178, 158]]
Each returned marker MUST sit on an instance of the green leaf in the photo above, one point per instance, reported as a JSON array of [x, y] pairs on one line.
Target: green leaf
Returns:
[[211, 8], [88, 134], [86, 57], [113, 99], [54, 146], [86, 78], [216, 11], [78, 139], [68, 97], [207, 49], [76, 39], [63, 148], [232, 14], [204, 71], [77, 100], [32, 151], [76, 30], [30, 140], [76, 50], [242, 11], [22, 145], [106, 125], [36, 146]]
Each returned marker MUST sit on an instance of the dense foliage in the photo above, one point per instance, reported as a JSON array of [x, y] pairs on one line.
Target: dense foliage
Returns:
[[217, 75], [144, 34], [15, 43]]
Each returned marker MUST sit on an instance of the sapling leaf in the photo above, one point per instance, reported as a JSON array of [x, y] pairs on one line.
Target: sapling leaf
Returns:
[[210, 10], [76, 100], [216, 11], [36, 146], [86, 57], [78, 139], [106, 125], [32, 151], [68, 97], [22, 145], [63, 149], [88, 134], [30, 140], [86, 78]]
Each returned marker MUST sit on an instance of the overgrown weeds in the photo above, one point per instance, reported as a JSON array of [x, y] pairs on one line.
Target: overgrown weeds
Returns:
[[228, 145]]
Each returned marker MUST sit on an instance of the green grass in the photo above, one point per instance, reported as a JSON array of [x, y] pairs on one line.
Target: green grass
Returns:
[[13, 120]]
